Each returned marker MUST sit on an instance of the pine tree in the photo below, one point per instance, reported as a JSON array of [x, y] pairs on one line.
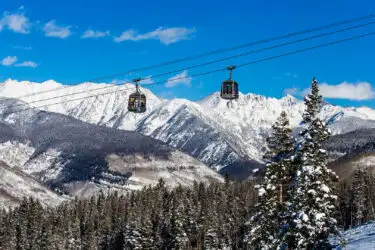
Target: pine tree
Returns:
[[191, 218], [179, 239], [345, 205], [313, 201], [132, 234], [211, 236], [369, 184], [21, 224], [359, 197], [34, 215], [9, 238], [266, 224], [147, 240]]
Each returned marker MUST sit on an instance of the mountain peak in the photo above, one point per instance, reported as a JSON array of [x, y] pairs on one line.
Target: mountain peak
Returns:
[[289, 99]]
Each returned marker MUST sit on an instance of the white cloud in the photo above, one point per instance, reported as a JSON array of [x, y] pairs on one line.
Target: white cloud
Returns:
[[179, 79], [95, 34], [51, 29], [9, 61], [164, 35], [358, 91], [352, 91], [16, 22], [27, 64]]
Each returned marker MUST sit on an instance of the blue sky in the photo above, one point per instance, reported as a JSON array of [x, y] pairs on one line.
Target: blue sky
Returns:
[[73, 41]]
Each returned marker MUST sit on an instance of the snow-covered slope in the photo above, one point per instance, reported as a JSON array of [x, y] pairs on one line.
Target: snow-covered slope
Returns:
[[15, 184], [359, 238], [109, 109], [219, 133], [79, 158]]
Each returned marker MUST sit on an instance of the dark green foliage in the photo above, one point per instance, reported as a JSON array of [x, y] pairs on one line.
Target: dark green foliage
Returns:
[[357, 201], [153, 218]]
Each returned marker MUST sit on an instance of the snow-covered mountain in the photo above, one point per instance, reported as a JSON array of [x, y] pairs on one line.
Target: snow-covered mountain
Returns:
[[352, 150], [79, 158], [220, 133], [15, 184]]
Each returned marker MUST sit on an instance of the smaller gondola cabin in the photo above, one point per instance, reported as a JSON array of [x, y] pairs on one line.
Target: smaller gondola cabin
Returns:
[[137, 100]]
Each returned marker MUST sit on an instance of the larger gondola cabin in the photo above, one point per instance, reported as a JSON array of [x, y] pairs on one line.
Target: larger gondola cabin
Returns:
[[229, 88]]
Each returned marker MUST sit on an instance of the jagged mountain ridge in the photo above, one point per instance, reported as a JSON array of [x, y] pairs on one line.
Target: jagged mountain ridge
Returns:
[[219, 133], [79, 158]]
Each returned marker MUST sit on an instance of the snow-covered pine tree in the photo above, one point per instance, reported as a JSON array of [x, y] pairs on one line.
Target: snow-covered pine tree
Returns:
[[178, 238], [191, 218], [226, 221], [9, 233], [132, 234], [265, 225], [21, 224], [146, 230], [211, 236], [34, 215], [313, 201], [46, 237]]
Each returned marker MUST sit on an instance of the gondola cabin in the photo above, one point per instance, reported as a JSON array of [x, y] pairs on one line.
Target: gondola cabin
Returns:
[[137, 103], [137, 100], [229, 90]]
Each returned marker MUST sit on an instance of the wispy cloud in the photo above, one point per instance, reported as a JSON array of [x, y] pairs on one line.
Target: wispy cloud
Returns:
[[9, 61], [285, 75], [358, 91], [95, 34], [292, 91], [51, 29], [118, 81], [167, 95], [16, 22], [30, 64], [22, 47], [148, 80], [179, 79], [164, 35], [291, 74], [200, 85]]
